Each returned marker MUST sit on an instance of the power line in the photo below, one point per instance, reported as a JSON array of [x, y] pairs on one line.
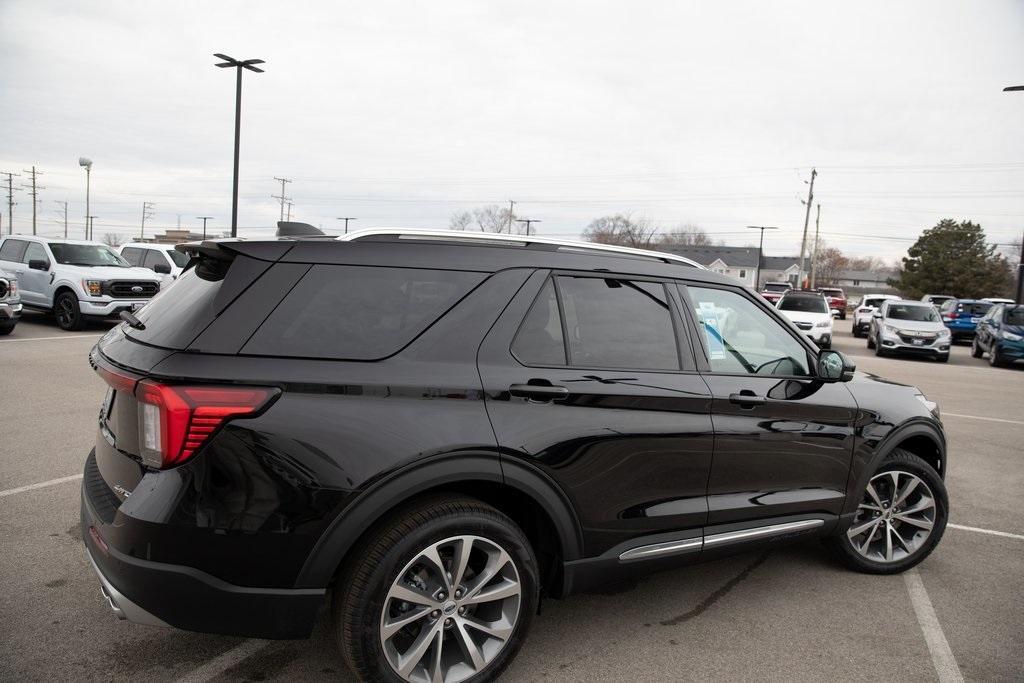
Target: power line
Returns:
[[282, 196], [35, 193], [57, 201], [147, 212], [10, 200]]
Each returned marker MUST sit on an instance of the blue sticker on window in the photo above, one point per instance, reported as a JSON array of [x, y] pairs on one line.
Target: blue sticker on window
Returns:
[[712, 331]]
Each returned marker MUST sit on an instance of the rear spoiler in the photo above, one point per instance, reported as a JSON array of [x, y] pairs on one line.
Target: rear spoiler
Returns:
[[226, 250]]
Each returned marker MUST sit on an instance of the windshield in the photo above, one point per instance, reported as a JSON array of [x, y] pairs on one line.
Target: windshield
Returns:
[[772, 287], [177, 257], [86, 255], [805, 304], [1014, 316], [910, 312], [872, 303]]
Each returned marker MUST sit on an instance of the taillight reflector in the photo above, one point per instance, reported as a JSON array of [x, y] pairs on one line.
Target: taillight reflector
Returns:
[[175, 420], [120, 381]]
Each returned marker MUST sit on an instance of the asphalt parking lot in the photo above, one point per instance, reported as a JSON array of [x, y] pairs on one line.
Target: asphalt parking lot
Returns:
[[788, 614]]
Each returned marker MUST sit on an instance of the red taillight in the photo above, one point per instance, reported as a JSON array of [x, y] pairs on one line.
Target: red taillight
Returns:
[[175, 420], [949, 316], [119, 381]]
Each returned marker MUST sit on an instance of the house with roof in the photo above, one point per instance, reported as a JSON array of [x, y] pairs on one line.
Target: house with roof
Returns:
[[863, 281], [741, 263]]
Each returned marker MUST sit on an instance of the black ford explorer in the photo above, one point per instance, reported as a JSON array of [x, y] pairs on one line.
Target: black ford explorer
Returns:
[[431, 431]]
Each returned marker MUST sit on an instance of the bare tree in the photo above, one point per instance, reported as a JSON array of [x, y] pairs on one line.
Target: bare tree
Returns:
[[686, 236], [112, 239], [829, 265], [621, 229], [491, 218]]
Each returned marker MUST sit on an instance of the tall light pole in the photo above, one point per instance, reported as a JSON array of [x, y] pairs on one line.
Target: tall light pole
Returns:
[[1020, 266], [90, 227], [87, 165], [528, 221], [760, 251], [204, 219], [346, 219], [238, 66]]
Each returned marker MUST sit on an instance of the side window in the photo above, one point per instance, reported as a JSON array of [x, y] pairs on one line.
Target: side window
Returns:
[[153, 257], [132, 255], [13, 250], [614, 323], [740, 337], [539, 340], [35, 252]]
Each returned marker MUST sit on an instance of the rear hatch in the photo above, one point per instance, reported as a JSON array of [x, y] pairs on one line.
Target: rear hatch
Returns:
[[964, 315]]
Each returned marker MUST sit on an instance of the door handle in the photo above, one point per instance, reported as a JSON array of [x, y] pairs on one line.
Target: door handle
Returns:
[[747, 399], [538, 392]]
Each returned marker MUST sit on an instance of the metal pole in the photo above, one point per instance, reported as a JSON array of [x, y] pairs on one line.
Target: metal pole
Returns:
[[88, 173], [814, 256], [1020, 274], [807, 219], [760, 251], [238, 135]]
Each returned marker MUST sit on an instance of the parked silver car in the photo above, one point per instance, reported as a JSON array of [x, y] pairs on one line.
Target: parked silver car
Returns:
[[911, 328], [10, 303]]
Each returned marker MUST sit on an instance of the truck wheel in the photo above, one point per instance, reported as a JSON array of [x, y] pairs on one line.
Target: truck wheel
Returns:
[[66, 310], [7, 328]]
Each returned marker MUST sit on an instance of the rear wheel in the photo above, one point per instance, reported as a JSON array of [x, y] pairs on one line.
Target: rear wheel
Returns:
[[441, 591], [66, 310], [7, 327], [899, 521]]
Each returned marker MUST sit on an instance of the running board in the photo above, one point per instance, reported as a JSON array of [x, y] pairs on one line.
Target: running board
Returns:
[[691, 545]]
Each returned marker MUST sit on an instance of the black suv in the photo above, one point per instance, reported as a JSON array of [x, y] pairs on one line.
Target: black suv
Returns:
[[436, 430]]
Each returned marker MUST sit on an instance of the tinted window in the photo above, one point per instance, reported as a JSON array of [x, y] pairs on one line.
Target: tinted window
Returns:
[[153, 257], [740, 337], [618, 324], [975, 309], [870, 302], [912, 312], [804, 304], [358, 313], [12, 250], [179, 259], [539, 340], [35, 252], [132, 255], [1014, 316], [85, 255]]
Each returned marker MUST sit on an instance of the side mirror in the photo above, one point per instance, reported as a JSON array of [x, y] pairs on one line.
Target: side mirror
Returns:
[[835, 312], [835, 367], [876, 314], [38, 264], [162, 268]]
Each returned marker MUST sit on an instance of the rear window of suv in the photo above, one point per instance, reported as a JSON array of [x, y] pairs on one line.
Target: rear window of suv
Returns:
[[358, 312]]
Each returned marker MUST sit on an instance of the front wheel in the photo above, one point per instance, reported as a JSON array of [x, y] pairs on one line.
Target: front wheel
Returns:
[[68, 313], [443, 590], [976, 351], [994, 359], [871, 341], [7, 328], [899, 521]]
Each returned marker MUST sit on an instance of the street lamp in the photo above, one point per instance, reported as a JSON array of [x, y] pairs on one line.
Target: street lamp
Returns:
[[238, 65], [204, 219], [346, 219], [528, 222], [87, 165], [1020, 266], [760, 251], [90, 225]]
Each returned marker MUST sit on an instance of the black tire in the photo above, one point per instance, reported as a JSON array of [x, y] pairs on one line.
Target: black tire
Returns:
[[68, 313], [7, 328], [976, 351], [903, 461], [871, 341], [377, 561], [857, 333], [994, 359], [842, 316], [879, 351]]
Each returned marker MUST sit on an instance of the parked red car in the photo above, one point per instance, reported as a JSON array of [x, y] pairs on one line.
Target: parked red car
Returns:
[[836, 299], [773, 291]]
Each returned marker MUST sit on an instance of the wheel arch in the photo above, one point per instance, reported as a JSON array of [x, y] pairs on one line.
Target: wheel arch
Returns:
[[525, 495], [60, 289]]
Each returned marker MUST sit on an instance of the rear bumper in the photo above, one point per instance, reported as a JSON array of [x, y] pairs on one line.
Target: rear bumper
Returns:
[[161, 594]]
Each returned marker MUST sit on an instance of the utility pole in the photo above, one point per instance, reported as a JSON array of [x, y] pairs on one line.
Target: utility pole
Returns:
[[90, 227], [204, 219], [1020, 266], [511, 214], [814, 257], [528, 221], [281, 196], [807, 219], [238, 66], [35, 190], [289, 214], [147, 212], [10, 200], [65, 217], [760, 251], [346, 219]]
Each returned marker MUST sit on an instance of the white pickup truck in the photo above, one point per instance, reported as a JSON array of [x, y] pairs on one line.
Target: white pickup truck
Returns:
[[75, 279]]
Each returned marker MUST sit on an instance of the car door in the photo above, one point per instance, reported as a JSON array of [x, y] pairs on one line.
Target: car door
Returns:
[[783, 439], [585, 380], [155, 257], [35, 284], [986, 327]]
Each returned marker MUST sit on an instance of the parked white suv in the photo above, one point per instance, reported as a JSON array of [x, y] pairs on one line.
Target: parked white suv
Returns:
[[75, 279], [159, 258], [809, 311], [869, 303]]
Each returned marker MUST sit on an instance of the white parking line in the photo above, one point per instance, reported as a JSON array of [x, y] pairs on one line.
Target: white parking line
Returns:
[[225, 661], [63, 336], [40, 485], [979, 417], [942, 656], [1005, 534]]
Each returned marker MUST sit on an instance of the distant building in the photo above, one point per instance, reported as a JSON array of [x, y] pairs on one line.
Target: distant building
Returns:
[[864, 281], [179, 235], [741, 263]]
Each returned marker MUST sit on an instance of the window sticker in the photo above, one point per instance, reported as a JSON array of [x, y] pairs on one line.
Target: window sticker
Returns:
[[712, 331]]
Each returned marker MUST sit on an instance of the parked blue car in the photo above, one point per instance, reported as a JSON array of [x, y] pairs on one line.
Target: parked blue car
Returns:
[[961, 316], [1001, 334]]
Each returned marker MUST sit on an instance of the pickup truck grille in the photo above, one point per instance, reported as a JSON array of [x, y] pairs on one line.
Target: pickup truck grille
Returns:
[[127, 289]]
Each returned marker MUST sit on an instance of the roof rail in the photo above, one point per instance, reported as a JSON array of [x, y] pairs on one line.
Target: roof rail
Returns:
[[460, 236]]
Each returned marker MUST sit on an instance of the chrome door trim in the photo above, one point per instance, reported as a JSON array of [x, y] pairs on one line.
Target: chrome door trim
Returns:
[[761, 532], [646, 552]]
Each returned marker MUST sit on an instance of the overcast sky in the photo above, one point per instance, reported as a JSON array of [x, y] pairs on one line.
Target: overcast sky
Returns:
[[400, 113]]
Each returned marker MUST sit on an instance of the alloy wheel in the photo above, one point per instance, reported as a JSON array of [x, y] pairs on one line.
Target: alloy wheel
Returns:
[[65, 312], [451, 610], [895, 519]]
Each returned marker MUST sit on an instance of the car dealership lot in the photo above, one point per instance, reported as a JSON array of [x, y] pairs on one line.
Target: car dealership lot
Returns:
[[791, 613]]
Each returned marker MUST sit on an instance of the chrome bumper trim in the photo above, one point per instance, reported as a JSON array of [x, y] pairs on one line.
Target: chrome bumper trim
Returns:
[[646, 552], [762, 532]]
